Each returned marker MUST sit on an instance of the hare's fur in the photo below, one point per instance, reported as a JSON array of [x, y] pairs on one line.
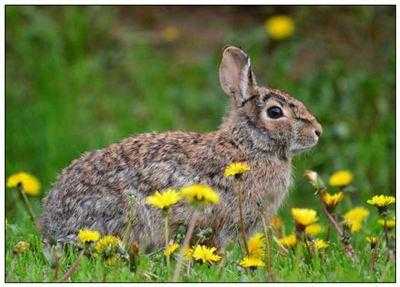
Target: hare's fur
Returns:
[[106, 189]]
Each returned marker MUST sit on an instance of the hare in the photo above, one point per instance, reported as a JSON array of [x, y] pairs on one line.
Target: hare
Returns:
[[106, 189]]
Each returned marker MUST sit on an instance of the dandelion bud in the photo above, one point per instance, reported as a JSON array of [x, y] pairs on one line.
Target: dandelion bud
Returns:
[[314, 179], [373, 241], [311, 175], [21, 247]]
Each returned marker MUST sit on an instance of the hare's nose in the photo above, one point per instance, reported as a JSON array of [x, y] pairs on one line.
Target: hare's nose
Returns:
[[318, 130]]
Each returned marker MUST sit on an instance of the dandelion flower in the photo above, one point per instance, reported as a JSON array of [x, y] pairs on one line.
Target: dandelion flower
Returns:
[[288, 241], [373, 241], [200, 193], [188, 253], [170, 249], [354, 218], [304, 216], [170, 33], [205, 254], [320, 244], [341, 178], [107, 243], [381, 200], [256, 245], [236, 168], [251, 262], [165, 199], [21, 247], [279, 27], [387, 223], [331, 200], [88, 236], [313, 229], [30, 184]]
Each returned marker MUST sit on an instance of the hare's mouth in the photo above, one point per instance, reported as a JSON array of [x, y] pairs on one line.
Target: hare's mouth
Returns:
[[298, 150]]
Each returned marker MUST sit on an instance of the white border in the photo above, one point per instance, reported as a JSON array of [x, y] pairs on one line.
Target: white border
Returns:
[[175, 2]]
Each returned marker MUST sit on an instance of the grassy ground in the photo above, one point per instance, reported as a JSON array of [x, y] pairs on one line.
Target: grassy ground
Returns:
[[331, 266], [81, 78]]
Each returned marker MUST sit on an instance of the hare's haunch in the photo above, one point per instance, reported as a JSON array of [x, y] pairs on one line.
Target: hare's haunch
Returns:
[[106, 189]]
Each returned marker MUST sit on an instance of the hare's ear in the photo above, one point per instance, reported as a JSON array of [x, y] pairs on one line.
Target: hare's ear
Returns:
[[236, 76]]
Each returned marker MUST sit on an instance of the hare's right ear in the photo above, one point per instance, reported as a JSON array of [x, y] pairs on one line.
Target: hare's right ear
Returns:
[[236, 76]]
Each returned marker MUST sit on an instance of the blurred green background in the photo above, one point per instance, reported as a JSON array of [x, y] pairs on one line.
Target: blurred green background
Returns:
[[80, 78]]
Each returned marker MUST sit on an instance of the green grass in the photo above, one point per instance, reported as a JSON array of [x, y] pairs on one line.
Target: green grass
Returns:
[[329, 266], [81, 78]]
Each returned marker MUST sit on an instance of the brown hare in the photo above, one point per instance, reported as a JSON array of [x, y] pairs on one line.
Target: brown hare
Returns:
[[106, 189]]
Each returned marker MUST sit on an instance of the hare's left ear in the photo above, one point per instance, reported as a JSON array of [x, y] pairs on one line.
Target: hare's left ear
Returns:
[[236, 76]]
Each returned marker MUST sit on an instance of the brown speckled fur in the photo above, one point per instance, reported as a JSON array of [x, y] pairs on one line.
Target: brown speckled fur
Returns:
[[93, 191]]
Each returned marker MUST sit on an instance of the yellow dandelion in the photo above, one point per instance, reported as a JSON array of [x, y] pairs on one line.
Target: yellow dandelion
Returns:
[[341, 178], [88, 235], [170, 249], [387, 223], [236, 168], [170, 33], [279, 27], [251, 262], [288, 241], [256, 245], [106, 243], [188, 253], [21, 247], [165, 199], [372, 240], [200, 193], [304, 216], [276, 223], [205, 254], [354, 218], [320, 244], [313, 229], [331, 200], [381, 200], [30, 184]]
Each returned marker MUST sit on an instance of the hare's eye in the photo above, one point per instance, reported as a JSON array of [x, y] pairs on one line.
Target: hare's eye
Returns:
[[274, 112]]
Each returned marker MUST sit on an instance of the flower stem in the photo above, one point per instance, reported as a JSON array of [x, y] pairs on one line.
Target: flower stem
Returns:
[[27, 205], [348, 248], [390, 253], [328, 233], [374, 256], [73, 267], [268, 254], [56, 265], [166, 234], [242, 229], [56, 269], [385, 230], [304, 238], [281, 247], [185, 245]]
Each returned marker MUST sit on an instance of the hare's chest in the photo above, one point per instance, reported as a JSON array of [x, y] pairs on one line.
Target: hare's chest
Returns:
[[268, 185]]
